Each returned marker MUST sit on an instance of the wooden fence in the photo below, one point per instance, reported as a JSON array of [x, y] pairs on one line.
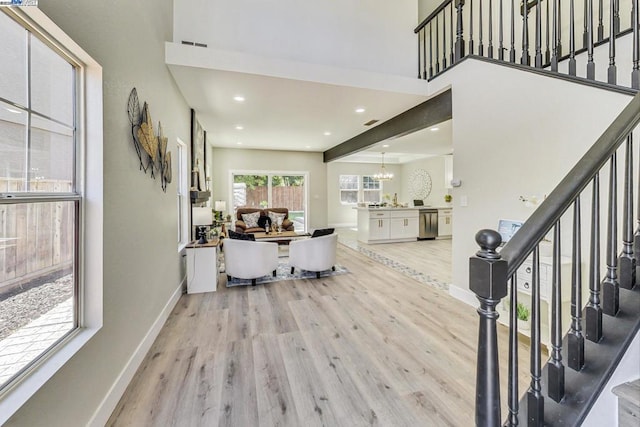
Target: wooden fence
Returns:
[[35, 238], [281, 197]]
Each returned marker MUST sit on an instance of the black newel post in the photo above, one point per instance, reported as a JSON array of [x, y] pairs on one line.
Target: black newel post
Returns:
[[488, 280], [459, 47]]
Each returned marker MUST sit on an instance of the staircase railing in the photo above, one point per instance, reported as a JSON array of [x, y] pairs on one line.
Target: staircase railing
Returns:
[[493, 274], [510, 31]]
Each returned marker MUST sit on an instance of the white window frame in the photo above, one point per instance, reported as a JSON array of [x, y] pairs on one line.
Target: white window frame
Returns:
[[184, 201], [360, 190], [377, 190], [341, 190], [89, 183]]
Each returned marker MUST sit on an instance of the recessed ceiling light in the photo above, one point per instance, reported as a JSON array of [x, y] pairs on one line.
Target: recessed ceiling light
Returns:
[[433, 129], [11, 110], [239, 127], [239, 143], [307, 146], [385, 145], [360, 110], [327, 133], [238, 98]]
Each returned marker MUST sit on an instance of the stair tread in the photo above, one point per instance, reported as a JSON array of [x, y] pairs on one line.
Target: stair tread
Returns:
[[629, 391]]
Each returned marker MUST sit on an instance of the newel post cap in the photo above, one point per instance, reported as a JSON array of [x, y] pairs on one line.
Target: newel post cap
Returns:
[[487, 271]]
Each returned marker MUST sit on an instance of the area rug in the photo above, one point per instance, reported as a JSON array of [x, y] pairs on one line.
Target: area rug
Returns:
[[284, 273]]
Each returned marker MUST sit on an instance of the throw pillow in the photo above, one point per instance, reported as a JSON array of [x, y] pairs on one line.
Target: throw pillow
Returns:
[[251, 220], [241, 236], [322, 232], [263, 221], [275, 217]]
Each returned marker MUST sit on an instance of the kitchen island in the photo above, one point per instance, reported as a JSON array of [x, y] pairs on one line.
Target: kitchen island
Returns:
[[387, 224]]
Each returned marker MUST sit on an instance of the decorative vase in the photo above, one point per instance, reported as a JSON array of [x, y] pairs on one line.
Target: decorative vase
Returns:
[[523, 325]]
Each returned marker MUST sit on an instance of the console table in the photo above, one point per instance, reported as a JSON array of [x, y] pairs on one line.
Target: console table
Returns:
[[202, 266]]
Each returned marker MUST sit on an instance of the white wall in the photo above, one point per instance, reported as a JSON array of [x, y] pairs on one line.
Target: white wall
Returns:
[[373, 35], [340, 215], [226, 159], [514, 134], [141, 261], [435, 167]]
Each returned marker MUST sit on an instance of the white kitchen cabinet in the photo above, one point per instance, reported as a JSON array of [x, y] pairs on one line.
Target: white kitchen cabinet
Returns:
[[202, 267], [386, 225], [445, 223]]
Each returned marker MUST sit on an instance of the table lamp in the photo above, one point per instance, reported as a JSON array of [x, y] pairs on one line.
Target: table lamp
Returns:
[[201, 217], [220, 206]]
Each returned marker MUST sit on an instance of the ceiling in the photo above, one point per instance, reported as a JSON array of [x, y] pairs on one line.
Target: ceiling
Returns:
[[286, 114]]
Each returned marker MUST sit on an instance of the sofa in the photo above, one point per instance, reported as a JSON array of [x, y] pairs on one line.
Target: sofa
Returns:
[[243, 227]]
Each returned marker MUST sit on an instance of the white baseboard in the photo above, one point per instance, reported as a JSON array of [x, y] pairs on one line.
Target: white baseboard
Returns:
[[108, 404], [464, 295]]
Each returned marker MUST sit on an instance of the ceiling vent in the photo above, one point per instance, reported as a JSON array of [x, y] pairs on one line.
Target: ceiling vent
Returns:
[[371, 122]]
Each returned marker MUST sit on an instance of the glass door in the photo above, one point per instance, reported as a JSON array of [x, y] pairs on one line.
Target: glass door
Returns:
[[274, 190]]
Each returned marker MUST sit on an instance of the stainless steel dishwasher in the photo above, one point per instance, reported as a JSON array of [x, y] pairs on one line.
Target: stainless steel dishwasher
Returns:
[[428, 224]]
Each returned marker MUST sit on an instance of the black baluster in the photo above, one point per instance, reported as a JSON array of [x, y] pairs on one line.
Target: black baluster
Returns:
[[480, 45], [451, 45], [470, 27], [422, 58], [459, 31], [512, 51], [591, 66], [513, 394], [600, 17], [593, 311], [430, 49], [501, 48], [437, 46], [575, 339], [585, 34], [535, 400], [572, 40], [559, 27], [547, 52], [611, 71], [627, 261], [555, 372], [554, 47], [635, 74], [444, 40], [525, 60], [610, 285], [488, 280], [538, 59], [490, 48], [616, 17]]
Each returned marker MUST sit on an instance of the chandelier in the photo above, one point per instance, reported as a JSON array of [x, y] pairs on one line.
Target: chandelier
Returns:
[[383, 175]]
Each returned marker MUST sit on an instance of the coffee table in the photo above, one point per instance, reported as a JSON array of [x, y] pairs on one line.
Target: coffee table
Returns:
[[282, 238]]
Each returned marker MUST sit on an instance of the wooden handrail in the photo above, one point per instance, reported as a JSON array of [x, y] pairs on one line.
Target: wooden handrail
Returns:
[[432, 15], [561, 198]]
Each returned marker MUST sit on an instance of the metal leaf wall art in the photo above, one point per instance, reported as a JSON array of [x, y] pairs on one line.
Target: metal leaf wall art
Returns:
[[151, 149]]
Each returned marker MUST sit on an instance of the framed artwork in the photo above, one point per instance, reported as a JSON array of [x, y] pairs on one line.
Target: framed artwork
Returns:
[[198, 154]]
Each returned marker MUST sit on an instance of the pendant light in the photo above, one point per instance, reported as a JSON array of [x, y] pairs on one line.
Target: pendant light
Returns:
[[383, 175]]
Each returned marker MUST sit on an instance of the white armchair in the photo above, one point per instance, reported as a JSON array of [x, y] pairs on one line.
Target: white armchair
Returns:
[[244, 259], [315, 254]]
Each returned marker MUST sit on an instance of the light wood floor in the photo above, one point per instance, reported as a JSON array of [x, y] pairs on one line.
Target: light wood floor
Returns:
[[372, 347]]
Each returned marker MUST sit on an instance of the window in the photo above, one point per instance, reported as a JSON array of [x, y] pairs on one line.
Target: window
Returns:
[[273, 189], [351, 191], [50, 202], [371, 189], [183, 196]]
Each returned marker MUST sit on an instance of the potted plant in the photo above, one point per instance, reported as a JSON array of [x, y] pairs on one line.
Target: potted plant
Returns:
[[448, 198], [523, 313]]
